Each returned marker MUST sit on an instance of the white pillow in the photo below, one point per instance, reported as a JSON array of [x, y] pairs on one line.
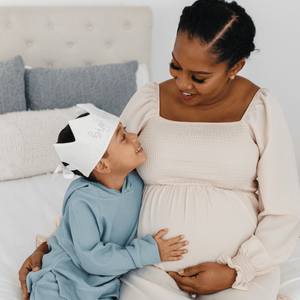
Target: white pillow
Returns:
[[26, 141], [142, 76]]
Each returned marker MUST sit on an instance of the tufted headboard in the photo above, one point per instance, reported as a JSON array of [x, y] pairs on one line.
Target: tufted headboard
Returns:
[[76, 36]]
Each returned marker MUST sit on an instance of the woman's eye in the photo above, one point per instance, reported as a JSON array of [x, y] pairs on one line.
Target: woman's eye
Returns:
[[197, 80], [123, 137], [172, 66]]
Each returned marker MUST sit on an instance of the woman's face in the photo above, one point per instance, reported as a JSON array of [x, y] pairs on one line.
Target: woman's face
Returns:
[[199, 80]]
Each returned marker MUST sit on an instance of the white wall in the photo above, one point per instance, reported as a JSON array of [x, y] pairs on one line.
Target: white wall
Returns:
[[276, 66]]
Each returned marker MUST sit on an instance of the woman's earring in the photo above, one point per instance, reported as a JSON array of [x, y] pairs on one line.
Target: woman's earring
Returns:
[[231, 77]]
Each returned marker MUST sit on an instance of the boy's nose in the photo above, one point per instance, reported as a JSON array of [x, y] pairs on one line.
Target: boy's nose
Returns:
[[133, 136]]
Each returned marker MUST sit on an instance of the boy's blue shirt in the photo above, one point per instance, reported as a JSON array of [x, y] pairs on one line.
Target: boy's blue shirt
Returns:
[[95, 242]]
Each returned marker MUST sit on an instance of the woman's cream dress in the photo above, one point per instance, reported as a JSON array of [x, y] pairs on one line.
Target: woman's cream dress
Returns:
[[230, 188]]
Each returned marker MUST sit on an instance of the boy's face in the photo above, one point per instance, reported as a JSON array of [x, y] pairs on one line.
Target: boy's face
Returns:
[[124, 151]]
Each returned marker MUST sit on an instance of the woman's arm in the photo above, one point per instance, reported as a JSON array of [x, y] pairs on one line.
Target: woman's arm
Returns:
[[32, 263], [278, 227]]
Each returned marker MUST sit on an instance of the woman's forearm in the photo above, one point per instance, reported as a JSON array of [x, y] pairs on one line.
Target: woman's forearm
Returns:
[[32, 263]]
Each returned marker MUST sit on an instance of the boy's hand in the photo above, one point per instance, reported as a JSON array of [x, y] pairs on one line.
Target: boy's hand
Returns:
[[168, 249]]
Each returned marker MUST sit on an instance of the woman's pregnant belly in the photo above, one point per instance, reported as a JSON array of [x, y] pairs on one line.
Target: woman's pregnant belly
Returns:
[[213, 220]]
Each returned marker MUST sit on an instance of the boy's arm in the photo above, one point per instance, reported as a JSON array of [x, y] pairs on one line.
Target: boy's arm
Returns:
[[98, 258]]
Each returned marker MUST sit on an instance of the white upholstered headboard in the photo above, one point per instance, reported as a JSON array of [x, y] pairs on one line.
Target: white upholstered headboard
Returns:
[[76, 36]]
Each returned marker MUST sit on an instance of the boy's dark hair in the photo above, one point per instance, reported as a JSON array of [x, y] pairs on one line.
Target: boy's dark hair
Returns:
[[224, 27], [67, 136]]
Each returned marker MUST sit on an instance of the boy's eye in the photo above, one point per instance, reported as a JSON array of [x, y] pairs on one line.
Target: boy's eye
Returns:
[[172, 66], [123, 138]]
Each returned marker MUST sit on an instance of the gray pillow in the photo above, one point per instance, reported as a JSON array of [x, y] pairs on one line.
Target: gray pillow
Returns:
[[12, 96], [109, 87]]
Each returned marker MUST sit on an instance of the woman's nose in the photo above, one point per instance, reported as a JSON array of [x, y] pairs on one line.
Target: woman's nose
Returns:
[[183, 83]]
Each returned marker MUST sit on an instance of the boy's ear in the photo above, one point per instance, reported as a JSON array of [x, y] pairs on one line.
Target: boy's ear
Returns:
[[102, 167]]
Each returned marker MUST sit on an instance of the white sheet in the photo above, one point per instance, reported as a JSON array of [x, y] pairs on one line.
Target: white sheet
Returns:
[[28, 206]]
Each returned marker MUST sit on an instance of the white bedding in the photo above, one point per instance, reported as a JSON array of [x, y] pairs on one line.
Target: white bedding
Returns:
[[28, 207]]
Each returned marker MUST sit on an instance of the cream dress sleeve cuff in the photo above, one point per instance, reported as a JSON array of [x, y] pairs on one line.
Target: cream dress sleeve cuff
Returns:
[[244, 268]]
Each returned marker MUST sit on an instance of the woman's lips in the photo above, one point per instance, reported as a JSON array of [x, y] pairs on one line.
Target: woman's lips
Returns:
[[186, 97]]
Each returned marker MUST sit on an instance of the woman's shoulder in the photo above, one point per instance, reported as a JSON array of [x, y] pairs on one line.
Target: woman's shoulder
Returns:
[[242, 97], [244, 89], [264, 113], [150, 87], [141, 107], [147, 93], [255, 97]]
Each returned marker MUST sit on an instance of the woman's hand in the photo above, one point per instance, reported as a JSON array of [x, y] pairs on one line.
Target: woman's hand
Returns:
[[205, 278], [32, 263], [168, 249]]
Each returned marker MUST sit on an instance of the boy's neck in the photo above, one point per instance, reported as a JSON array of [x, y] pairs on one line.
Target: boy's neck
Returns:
[[111, 180]]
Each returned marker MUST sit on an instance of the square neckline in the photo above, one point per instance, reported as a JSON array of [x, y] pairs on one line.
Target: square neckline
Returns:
[[206, 123]]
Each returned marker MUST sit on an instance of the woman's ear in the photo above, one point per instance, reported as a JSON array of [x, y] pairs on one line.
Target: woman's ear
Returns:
[[102, 167], [237, 68]]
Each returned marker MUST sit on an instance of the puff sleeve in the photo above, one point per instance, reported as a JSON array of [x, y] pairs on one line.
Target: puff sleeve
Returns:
[[278, 227], [141, 108]]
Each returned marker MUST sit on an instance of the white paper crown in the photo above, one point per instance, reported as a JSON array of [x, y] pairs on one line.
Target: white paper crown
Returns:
[[92, 134]]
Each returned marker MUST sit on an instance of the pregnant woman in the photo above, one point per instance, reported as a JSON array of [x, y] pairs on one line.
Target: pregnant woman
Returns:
[[221, 168]]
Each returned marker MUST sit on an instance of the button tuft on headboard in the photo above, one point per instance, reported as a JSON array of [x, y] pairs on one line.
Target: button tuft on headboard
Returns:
[[96, 34]]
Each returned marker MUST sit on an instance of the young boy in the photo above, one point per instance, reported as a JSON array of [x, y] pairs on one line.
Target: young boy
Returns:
[[95, 242]]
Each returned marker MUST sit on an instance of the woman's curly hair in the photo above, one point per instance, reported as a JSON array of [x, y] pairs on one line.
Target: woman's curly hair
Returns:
[[224, 27]]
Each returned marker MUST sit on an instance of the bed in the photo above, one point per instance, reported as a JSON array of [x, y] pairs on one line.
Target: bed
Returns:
[[53, 51]]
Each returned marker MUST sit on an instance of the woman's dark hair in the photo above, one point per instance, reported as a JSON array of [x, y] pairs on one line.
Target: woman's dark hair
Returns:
[[224, 27], [67, 136]]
